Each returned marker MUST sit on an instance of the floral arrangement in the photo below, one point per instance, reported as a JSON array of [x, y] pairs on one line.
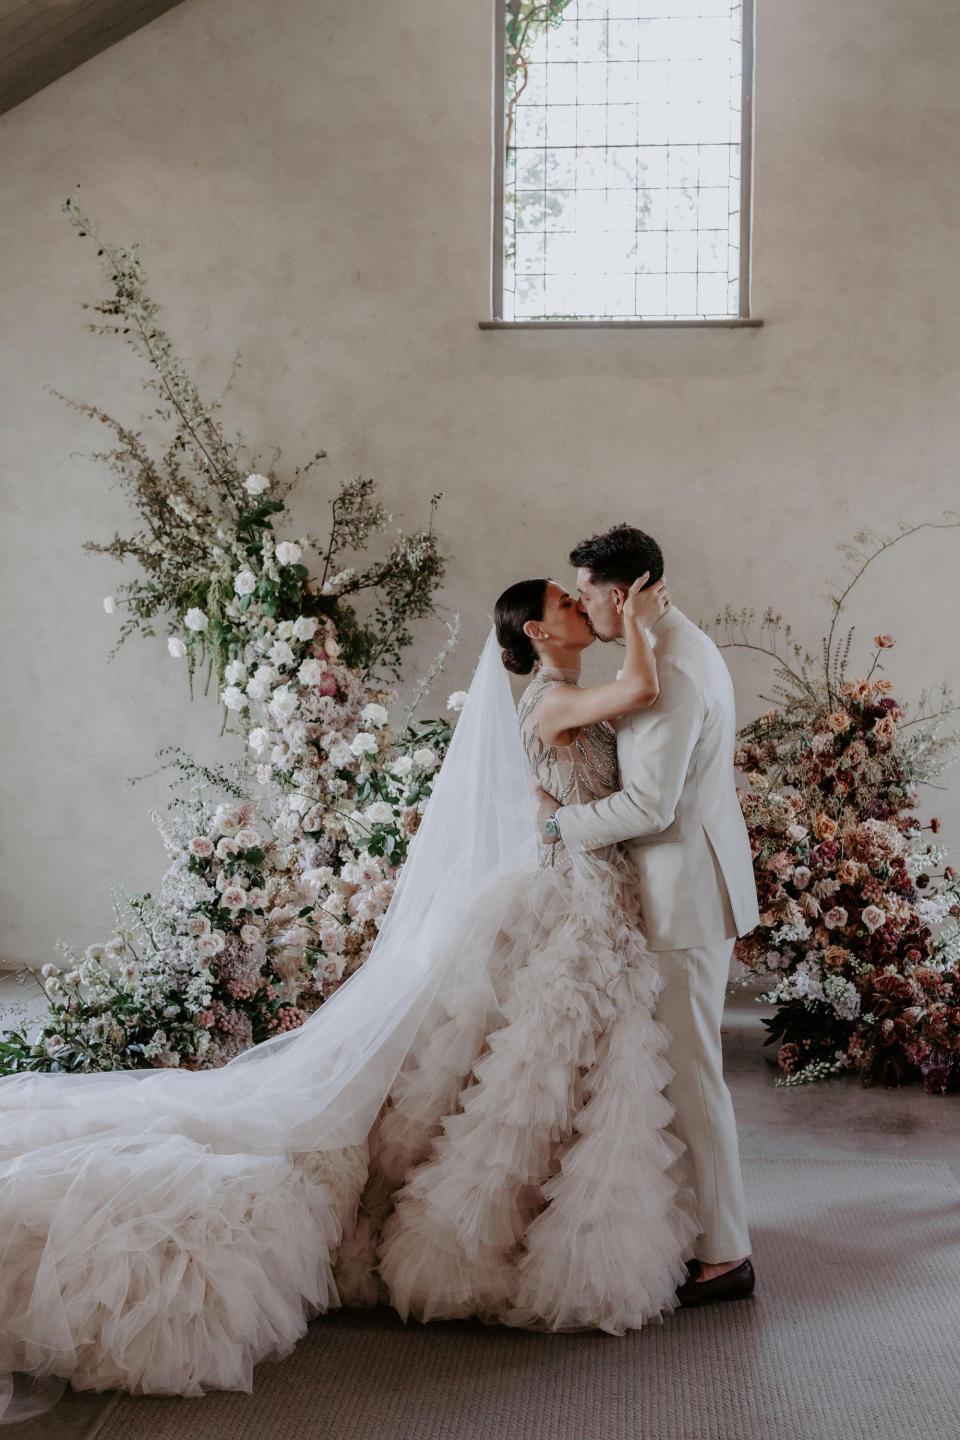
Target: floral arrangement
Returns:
[[858, 923], [274, 894]]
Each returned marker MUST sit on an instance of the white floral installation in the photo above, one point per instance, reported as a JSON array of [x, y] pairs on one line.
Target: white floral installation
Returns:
[[282, 867]]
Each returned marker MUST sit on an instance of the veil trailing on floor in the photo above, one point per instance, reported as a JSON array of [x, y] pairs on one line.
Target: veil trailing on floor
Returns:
[[321, 1086]]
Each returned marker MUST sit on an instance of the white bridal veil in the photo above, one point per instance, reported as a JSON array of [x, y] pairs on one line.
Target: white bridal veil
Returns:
[[319, 1087]]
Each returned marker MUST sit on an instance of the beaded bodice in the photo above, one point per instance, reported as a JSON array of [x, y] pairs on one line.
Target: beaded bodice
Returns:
[[573, 774]]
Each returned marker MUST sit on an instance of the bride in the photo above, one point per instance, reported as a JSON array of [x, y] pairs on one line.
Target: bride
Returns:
[[473, 1124]]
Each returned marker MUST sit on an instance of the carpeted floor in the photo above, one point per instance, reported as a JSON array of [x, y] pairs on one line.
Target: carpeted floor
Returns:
[[852, 1336]]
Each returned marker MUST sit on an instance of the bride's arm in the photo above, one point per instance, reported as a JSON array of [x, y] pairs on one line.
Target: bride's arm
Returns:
[[566, 709]]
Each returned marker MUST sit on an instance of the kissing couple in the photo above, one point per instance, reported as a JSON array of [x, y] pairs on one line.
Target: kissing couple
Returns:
[[514, 1110]]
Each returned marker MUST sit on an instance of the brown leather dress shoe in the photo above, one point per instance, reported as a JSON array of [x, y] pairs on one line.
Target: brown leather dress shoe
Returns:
[[738, 1284]]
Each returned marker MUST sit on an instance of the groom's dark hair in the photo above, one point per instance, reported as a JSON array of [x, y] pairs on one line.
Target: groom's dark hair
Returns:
[[619, 556]]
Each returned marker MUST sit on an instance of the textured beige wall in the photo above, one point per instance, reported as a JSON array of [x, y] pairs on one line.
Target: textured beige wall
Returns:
[[310, 182]]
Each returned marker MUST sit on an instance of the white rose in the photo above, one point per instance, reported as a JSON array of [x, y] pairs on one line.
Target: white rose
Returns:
[[262, 683], [176, 647], [310, 672], [233, 898], [235, 673], [873, 917], [317, 877], [198, 925], [109, 604], [208, 946], [258, 738], [374, 715], [256, 899], [288, 552], [284, 702], [304, 627], [332, 648], [225, 820], [202, 846], [249, 934], [195, 619], [457, 700], [248, 838], [379, 813], [341, 756], [49, 970], [363, 744], [256, 484], [227, 847], [797, 832], [401, 767], [425, 758], [245, 583], [233, 698], [281, 653], [285, 629]]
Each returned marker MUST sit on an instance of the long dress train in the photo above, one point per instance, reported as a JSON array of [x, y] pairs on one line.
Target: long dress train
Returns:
[[164, 1232]]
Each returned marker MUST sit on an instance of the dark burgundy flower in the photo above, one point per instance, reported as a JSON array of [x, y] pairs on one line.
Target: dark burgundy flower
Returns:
[[893, 987], [825, 854], [937, 1071]]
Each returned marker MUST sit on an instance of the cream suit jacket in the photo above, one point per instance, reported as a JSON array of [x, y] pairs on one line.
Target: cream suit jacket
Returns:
[[677, 809]]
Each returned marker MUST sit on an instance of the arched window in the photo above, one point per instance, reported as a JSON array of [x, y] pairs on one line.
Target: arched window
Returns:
[[623, 161]]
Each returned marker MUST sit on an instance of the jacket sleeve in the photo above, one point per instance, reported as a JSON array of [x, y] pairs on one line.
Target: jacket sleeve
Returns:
[[654, 757]]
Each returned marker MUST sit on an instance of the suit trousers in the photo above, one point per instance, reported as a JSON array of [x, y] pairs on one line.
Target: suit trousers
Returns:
[[691, 1007]]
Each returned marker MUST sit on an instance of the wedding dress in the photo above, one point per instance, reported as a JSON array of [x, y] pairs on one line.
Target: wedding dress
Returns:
[[521, 1170], [481, 1103]]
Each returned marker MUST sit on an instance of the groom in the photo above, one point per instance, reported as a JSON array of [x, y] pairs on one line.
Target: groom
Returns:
[[680, 820]]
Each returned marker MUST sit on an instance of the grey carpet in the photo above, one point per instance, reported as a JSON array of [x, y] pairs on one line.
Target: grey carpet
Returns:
[[852, 1336]]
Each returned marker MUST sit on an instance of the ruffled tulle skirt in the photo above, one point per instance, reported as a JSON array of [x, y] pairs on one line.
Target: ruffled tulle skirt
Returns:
[[520, 1170]]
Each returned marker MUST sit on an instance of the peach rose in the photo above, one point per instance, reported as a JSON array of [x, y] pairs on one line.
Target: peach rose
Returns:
[[839, 721], [884, 642], [885, 729], [835, 956], [883, 687], [847, 872], [825, 828]]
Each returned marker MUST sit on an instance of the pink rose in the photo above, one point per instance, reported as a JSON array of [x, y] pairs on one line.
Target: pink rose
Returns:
[[873, 917], [836, 918]]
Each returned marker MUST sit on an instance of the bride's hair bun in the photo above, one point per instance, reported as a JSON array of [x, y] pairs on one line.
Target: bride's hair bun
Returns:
[[520, 660], [520, 603]]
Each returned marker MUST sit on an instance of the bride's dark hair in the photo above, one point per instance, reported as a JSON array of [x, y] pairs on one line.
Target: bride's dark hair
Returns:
[[518, 604]]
